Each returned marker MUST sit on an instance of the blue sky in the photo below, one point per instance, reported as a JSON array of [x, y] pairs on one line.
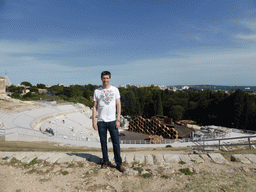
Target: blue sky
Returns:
[[141, 42]]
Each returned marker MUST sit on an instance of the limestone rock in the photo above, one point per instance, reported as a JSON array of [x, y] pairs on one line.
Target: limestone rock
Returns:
[[218, 158], [168, 171], [140, 159], [239, 158], [149, 160], [159, 160], [131, 172]]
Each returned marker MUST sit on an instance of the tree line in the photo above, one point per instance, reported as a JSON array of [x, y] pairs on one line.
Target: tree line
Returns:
[[206, 107], [77, 93]]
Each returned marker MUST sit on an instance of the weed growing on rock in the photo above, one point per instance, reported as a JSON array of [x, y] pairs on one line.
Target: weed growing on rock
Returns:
[[31, 171], [35, 161], [80, 164], [44, 180], [64, 172], [71, 165], [146, 175], [26, 166], [14, 161], [139, 169], [186, 171], [165, 176], [96, 170]]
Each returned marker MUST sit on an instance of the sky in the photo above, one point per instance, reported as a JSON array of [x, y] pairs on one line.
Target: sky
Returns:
[[141, 42]]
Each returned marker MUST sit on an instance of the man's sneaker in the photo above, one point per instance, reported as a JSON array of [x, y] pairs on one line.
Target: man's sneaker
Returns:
[[104, 165], [121, 169]]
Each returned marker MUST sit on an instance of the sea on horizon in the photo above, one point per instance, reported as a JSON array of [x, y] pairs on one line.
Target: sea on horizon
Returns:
[[220, 87]]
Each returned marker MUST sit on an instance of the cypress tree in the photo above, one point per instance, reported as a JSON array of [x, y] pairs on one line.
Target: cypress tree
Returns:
[[159, 105]]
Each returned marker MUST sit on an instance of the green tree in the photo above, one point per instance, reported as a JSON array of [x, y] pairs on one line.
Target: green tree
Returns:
[[27, 95], [129, 103], [159, 104], [12, 88], [26, 83], [41, 86], [176, 112], [238, 107], [88, 94], [33, 89], [57, 90], [16, 95], [77, 91]]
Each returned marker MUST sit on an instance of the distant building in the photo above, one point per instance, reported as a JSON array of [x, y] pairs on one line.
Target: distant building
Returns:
[[141, 86], [60, 84], [128, 85], [174, 89], [24, 91], [185, 87], [162, 87], [18, 85], [42, 91]]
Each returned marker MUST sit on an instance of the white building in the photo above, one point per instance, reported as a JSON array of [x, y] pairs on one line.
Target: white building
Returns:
[[185, 87], [174, 89]]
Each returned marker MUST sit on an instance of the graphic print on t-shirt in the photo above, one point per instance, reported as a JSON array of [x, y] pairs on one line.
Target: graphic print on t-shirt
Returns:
[[107, 96]]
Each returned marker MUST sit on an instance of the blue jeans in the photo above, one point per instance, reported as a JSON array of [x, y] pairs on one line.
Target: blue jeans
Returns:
[[114, 133]]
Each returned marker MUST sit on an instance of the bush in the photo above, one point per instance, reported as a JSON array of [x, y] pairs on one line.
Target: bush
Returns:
[[27, 95], [139, 169], [146, 175], [16, 95], [186, 171]]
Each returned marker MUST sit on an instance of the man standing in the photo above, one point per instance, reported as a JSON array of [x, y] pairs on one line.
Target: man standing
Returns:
[[106, 100]]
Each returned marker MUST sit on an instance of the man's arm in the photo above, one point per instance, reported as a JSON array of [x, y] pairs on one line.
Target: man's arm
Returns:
[[118, 111], [94, 109]]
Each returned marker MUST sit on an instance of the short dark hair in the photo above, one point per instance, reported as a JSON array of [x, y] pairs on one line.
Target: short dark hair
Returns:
[[106, 73]]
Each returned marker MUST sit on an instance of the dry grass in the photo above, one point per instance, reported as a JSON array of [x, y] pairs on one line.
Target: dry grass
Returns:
[[237, 150], [41, 147], [57, 147]]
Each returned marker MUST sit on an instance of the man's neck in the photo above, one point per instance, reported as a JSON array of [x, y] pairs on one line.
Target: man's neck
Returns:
[[106, 87]]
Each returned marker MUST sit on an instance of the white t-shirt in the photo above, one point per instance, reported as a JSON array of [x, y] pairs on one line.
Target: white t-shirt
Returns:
[[106, 99]]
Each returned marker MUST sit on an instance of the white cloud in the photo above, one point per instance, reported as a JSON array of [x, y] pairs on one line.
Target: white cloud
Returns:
[[251, 25], [251, 37], [227, 66]]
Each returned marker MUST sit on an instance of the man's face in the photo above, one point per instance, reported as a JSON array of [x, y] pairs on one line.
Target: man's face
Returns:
[[105, 80]]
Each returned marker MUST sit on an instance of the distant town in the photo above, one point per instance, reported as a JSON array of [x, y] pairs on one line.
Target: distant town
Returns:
[[175, 88]]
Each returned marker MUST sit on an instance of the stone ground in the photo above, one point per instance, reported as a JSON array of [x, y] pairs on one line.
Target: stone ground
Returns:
[[16, 107], [172, 171]]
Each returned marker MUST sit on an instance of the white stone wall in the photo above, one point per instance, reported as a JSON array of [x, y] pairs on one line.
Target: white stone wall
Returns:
[[2, 85]]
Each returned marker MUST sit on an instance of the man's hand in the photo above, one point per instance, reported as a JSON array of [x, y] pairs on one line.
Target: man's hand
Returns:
[[95, 126], [117, 124]]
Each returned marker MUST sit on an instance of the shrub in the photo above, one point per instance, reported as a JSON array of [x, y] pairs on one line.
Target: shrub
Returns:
[[146, 175], [186, 171], [139, 169]]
